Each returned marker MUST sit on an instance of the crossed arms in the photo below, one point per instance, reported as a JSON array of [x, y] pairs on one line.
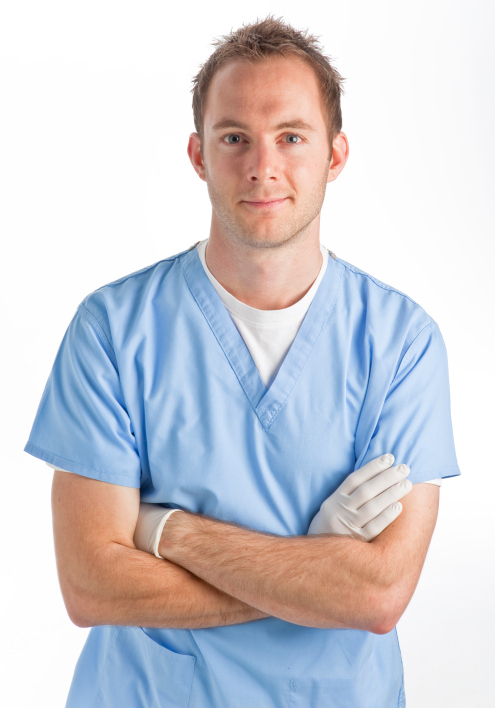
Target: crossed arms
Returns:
[[219, 574]]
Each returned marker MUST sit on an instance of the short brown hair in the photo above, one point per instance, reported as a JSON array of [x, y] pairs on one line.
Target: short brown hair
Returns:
[[262, 39]]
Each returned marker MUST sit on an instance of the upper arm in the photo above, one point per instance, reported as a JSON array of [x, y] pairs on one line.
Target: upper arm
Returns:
[[83, 423], [414, 421], [403, 546], [88, 516]]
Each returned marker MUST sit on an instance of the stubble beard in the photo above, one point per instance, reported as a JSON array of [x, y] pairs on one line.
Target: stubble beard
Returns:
[[287, 229]]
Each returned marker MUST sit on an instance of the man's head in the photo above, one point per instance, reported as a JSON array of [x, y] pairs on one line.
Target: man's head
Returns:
[[268, 119]]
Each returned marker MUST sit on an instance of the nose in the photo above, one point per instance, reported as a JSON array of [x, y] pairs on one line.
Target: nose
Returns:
[[262, 164]]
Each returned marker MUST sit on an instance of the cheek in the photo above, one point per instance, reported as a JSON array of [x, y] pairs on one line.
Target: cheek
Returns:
[[225, 160], [226, 171], [305, 165], [304, 176], [314, 172]]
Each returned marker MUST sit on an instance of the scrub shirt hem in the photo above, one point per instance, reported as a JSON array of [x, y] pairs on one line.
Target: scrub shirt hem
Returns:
[[78, 468], [435, 473]]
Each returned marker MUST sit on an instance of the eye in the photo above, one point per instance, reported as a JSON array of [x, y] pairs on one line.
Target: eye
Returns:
[[292, 138], [236, 139]]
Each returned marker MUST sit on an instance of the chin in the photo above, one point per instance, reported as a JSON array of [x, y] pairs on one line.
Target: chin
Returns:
[[266, 240]]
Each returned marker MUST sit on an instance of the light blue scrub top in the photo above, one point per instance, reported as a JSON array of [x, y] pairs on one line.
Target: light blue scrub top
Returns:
[[154, 388]]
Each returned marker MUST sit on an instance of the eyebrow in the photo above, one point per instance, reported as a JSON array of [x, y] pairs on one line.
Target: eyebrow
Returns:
[[295, 123]]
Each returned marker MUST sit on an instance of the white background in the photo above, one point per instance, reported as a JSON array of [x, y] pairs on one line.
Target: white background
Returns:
[[95, 183]]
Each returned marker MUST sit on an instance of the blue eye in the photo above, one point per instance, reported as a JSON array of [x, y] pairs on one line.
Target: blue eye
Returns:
[[236, 141], [293, 136]]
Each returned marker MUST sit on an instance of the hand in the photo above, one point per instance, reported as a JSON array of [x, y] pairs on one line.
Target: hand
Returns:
[[366, 502]]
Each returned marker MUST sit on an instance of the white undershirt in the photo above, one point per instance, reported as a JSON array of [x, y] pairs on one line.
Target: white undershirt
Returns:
[[268, 334]]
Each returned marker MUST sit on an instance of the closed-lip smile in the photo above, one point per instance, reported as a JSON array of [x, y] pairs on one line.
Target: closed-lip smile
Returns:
[[266, 203]]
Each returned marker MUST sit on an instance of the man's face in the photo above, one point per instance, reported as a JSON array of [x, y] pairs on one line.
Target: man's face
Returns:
[[265, 150]]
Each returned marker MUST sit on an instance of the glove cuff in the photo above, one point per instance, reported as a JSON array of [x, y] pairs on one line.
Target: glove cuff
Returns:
[[159, 531]]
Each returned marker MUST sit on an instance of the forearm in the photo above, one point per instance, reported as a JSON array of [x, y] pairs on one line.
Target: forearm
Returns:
[[317, 581], [124, 586]]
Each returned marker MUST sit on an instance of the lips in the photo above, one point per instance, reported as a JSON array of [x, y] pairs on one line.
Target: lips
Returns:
[[264, 201], [267, 207]]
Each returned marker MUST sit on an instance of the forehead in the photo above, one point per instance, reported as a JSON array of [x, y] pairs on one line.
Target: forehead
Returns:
[[266, 88]]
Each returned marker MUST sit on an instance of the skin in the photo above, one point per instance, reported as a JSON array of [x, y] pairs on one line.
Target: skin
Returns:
[[204, 580], [326, 581], [267, 256]]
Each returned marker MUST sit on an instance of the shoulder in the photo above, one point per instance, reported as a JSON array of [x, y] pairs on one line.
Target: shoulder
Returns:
[[128, 297], [135, 281], [364, 280], [388, 313]]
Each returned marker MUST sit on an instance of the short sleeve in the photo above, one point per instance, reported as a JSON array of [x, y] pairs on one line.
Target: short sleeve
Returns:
[[82, 424], [415, 421]]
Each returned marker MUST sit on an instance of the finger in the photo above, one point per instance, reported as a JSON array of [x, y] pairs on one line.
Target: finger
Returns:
[[376, 506], [375, 486], [368, 471], [380, 523]]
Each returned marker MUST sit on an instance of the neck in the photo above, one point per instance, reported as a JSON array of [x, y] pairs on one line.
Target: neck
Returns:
[[265, 278]]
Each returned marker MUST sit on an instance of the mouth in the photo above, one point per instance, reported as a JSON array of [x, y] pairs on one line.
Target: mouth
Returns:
[[266, 203]]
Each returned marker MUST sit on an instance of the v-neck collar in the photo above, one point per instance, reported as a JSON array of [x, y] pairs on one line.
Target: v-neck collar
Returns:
[[266, 402]]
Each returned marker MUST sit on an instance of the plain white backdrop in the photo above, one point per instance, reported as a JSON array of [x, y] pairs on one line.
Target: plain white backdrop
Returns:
[[95, 183]]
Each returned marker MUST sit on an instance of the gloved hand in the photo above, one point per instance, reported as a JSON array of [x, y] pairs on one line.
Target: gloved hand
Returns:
[[149, 527], [366, 502]]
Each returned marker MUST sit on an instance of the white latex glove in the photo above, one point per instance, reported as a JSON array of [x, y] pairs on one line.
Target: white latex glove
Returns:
[[366, 502], [149, 527]]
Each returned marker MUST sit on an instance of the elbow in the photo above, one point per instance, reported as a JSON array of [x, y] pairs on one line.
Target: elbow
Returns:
[[374, 613], [383, 628], [388, 613], [78, 607], [387, 624], [381, 625], [82, 615], [79, 619], [85, 593]]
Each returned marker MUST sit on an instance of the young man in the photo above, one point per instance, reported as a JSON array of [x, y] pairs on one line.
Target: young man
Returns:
[[245, 383]]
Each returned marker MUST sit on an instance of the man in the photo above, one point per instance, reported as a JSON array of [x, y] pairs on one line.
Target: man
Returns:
[[245, 383]]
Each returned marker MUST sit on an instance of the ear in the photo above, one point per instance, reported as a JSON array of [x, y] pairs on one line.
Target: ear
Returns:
[[194, 152], [340, 153]]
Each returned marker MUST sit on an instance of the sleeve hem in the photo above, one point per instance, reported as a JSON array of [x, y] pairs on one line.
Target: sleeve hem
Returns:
[[84, 470], [435, 473]]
